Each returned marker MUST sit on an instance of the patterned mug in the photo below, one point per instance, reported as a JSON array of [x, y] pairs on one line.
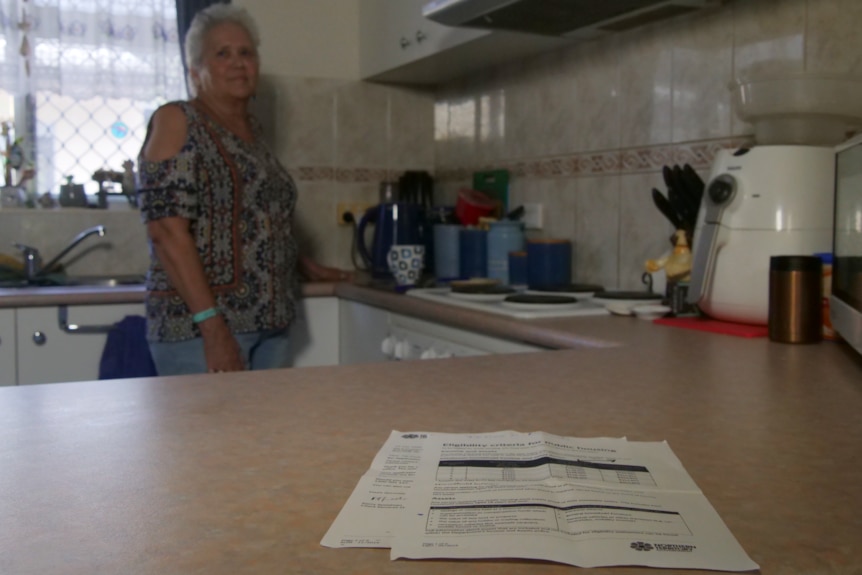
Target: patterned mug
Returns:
[[406, 262]]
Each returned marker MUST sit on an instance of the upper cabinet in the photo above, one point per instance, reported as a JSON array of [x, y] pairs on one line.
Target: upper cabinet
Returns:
[[394, 33], [397, 44]]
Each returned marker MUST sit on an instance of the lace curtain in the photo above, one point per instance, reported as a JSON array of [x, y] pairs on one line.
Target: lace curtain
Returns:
[[83, 48]]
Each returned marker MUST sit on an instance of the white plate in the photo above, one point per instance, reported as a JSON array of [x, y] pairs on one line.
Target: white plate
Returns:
[[538, 306], [485, 297], [618, 309], [624, 306], [650, 311], [574, 294]]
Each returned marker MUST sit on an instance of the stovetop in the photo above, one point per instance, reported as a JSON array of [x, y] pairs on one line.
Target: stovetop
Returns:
[[444, 295]]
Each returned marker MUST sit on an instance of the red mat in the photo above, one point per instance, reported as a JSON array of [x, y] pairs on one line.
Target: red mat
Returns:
[[715, 326]]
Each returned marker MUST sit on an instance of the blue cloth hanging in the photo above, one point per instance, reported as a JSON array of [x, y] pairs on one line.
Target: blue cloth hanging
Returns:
[[127, 353]]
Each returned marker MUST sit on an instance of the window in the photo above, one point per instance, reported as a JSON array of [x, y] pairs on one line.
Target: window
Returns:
[[80, 78]]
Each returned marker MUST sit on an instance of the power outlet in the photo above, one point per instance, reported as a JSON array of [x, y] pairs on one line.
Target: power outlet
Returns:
[[357, 209], [533, 216]]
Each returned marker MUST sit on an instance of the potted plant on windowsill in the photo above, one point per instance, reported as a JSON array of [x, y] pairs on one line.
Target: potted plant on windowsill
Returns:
[[13, 194]]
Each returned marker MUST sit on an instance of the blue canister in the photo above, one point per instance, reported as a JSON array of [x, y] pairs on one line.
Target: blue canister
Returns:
[[447, 256], [473, 253], [504, 236], [549, 263], [518, 268]]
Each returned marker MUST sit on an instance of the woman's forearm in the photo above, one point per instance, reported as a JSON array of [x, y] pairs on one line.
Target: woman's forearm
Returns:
[[175, 247]]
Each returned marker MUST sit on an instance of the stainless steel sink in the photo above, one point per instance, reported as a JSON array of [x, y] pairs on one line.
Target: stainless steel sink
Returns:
[[105, 280], [111, 280]]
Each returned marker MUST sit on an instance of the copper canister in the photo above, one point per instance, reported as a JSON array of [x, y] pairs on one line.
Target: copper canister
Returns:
[[795, 292]]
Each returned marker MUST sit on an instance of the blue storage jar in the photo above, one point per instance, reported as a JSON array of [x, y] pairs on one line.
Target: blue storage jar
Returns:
[[504, 237]]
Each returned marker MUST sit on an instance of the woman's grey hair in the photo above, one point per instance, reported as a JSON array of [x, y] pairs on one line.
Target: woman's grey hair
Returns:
[[206, 20]]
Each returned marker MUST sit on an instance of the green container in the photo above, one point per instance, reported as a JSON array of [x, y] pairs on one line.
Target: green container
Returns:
[[494, 183]]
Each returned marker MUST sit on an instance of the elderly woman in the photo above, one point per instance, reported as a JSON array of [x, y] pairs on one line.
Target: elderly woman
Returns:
[[218, 208]]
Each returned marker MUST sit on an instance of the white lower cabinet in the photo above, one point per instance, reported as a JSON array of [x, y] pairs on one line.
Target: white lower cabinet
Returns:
[[314, 333], [8, 353], [363, 329], [49, 352]]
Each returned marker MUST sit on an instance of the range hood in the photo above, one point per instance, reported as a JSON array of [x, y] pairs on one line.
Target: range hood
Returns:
[[565, 18]]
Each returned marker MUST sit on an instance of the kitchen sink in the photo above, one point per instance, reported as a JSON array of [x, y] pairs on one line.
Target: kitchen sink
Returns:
[[105, 280], [110, 280]]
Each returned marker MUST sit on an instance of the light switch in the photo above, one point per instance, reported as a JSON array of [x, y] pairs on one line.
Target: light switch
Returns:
[[533, 216]]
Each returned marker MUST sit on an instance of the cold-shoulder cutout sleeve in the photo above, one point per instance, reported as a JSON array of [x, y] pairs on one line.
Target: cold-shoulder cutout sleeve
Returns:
[[167, 187]]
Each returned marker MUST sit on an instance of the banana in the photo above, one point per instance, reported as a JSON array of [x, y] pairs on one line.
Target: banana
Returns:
[[11, 262]]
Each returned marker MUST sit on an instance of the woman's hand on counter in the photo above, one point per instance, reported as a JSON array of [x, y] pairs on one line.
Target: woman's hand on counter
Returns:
[[315, 272]]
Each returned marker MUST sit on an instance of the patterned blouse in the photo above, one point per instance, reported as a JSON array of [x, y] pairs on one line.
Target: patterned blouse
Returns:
[[239, 202]]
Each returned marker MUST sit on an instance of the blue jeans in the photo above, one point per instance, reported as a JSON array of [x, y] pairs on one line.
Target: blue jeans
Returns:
[[260, 350]]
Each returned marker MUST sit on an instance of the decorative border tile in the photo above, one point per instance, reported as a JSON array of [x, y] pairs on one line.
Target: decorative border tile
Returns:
[[342, 175], [699, 155], [311, 174]]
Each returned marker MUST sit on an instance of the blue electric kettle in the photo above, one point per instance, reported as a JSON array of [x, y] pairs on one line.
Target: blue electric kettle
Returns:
[[394, 223]]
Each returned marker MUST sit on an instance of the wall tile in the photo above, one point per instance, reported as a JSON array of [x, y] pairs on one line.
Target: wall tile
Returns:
[[595, 66], [461, 132], [556, 126], [411, 122], [442, 155], [702, 62], [833, 42], [362, 115], [597, 231], [446, 192], [544, 112], [491, 125], [522, 101], [305, 120], [645, 87]]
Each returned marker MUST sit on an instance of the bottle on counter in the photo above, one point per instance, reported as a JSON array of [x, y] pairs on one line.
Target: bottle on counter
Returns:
[[504, 237], [828, 330]]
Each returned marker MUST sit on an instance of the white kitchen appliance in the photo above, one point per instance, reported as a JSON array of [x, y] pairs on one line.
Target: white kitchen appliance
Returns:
[[759, 202], [845, 307], [413, 338], [497, 305]]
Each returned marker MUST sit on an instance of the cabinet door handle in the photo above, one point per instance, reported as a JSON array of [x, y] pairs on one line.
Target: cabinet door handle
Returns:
[[63, 321], [404, 42], [39, 338], [420, 36]]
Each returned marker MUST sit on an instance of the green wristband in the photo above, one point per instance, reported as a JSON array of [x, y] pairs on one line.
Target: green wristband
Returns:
[[205, 315]]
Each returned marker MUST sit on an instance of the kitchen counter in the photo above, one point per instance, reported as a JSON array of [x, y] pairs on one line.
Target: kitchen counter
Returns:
[[245, 472], [95, 295]]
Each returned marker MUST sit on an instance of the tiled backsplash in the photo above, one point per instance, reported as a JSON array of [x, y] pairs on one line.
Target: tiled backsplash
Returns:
[[339, 139], [123, 249], [584, 130]]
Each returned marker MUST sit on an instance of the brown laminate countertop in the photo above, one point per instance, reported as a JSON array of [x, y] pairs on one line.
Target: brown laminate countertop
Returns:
[[245, 472], [94, 295]]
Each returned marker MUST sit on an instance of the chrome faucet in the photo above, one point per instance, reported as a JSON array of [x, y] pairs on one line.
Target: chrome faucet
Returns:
[[33, 267]]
